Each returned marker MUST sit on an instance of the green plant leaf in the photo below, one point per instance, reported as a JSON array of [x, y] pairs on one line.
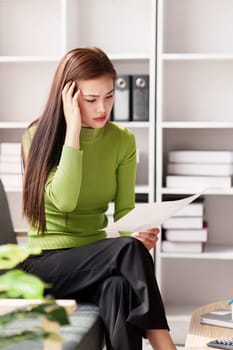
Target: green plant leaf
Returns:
[[53, 312], [17, 283], [34, 334], [48, 309], [12, 254]]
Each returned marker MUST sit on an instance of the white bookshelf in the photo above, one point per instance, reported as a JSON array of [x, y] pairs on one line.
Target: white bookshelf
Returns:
[[41, 32], [194, 112], [197, 125], [220, 191], [211, 251], [196, 57]]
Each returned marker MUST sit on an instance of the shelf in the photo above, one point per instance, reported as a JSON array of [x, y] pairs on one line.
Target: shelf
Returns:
[[214, 191], [142, 189], [197, 57], [23, 59], [129, 57], [13, 125], [13, 189], [211, 251], [194, 112], [134, 124], [197, 125]]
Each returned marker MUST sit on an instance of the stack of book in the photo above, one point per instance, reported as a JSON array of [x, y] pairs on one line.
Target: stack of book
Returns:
[[202, 169], [218, 317], [10, 165], [186, 231]]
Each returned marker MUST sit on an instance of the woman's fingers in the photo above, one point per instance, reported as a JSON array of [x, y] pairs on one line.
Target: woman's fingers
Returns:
[[70, 104], [148, 238], [75, 98], [68, 93], [154, 230], [71, 92], [66, 90]]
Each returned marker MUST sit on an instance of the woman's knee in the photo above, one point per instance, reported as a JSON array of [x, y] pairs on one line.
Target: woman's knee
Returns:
[[116, 284], [131, 244], [131, 241]]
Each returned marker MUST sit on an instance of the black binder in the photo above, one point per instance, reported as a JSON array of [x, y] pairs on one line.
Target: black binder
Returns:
[[122, 100], [140, 98]]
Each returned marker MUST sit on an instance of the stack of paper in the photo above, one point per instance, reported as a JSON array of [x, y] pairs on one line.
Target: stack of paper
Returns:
[[202, 169], [186, 231], [10, 165]]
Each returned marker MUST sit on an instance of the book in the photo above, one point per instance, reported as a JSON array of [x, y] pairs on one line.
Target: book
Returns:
[[200, 169], [10, 148], [186, 156], [10, 158], [218, 317], [194, 222], [186, 235], [182, 247], [12, 180], [10, 167], [200, 182], [193, 209]]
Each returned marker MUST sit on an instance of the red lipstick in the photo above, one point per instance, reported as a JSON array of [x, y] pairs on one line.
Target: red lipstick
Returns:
[[100, 119]]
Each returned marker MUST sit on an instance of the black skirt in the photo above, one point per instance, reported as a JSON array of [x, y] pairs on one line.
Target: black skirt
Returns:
[[117, 274]]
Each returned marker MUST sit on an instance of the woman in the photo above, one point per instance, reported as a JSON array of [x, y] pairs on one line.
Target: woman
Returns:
[[76, 162]]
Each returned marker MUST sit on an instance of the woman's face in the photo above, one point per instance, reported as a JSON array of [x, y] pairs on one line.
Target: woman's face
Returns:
[[95, 101]]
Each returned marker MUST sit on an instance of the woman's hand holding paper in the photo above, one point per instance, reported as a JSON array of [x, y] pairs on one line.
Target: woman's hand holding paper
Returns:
[[148, 237]]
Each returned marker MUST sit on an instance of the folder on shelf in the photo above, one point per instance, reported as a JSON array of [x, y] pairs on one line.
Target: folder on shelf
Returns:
[[122, 100], [140, 98]]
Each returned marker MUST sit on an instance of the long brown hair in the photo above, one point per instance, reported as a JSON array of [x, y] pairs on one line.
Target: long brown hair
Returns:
[[46, 146]]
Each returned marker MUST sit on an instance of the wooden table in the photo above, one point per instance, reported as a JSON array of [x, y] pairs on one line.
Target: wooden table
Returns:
[[200, 334]]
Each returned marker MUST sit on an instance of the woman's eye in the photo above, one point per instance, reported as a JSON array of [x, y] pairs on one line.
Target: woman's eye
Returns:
[[91, 101], [109, 97]]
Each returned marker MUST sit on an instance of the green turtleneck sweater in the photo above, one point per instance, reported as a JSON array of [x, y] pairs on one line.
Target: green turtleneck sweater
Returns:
[[79, 189]]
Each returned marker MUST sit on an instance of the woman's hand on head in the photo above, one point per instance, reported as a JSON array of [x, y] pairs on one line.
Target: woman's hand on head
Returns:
[[71, 112], [148, 237]]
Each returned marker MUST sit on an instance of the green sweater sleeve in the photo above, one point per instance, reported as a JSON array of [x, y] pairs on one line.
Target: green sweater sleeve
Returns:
[[126, 174], [64, 182]]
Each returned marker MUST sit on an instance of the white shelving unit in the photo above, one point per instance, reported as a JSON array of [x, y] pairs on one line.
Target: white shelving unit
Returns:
[[41, 32], [29, 52], [195, 111]]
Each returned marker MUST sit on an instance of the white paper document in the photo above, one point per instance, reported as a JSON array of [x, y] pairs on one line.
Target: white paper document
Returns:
[[148, 215]]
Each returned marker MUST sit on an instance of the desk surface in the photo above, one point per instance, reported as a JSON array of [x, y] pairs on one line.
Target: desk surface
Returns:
[[200, 334]]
